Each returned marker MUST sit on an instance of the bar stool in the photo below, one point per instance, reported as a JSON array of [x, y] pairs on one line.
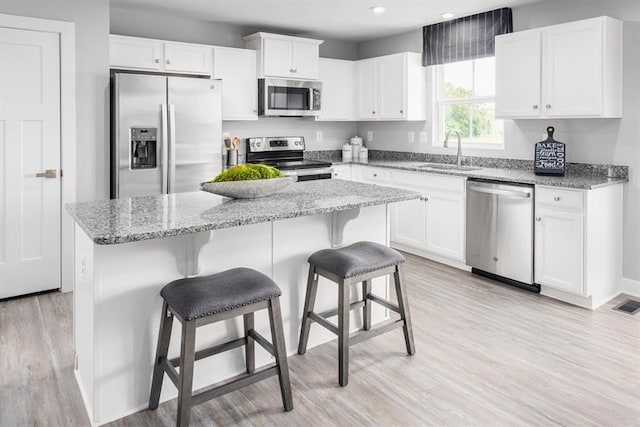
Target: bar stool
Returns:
[[203, 300], [359, 262]]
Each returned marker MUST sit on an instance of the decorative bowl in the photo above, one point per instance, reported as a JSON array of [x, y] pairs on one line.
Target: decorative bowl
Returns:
[[249, 189]]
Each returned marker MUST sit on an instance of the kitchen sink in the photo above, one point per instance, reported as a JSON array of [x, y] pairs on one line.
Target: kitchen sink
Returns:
[[446, 166]]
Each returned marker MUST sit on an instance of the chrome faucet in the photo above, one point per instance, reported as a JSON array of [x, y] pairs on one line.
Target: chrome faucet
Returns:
[[446, 145]]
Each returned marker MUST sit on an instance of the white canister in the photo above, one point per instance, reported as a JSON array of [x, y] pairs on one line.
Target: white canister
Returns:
[[356, 143], [346, 153], [363, 154]]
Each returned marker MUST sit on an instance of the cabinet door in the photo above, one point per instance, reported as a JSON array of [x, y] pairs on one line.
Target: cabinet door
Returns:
[[337, 89], [131, 52], [237, 69], [391, 87], [572, 77], [367, 88], [277, 58], [186, 58], [445, 224], [559, 249], [342, 172], [518, 71], [304, 62], [408, 225]]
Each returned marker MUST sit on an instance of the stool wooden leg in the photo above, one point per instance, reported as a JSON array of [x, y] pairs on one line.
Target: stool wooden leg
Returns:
[[366, 310], [403, 303], [277, 336], [164, 336], [185, 381], [343, 332], [309, 302], [250, 346]]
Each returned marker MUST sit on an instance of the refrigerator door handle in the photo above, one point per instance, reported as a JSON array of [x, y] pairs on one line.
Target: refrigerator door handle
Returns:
[[165, 148], [172, 148]]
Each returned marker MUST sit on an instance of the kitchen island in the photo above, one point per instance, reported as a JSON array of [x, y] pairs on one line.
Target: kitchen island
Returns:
[[126, 250]]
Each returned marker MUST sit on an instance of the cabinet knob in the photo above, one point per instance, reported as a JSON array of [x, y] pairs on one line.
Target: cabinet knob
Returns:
[[538, 218], [168, 61], [373, 112], [426, 199], [157, 60], [375, 175], [556, 198], [535, 107], [495, 259], [255, 111], [548, 106], [293, 70], [401, 111]]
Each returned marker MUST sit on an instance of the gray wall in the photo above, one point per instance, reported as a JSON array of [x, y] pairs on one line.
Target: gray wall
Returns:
[[91, 18], [588, 140], [167, 27]]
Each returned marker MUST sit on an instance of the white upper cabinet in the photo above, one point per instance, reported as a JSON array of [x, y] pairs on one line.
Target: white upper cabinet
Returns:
[[136, 53], [285, 56], [237, 69], [392, 87], [338, 89], [564, 71]]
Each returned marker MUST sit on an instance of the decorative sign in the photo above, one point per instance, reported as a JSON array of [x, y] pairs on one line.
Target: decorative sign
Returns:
[[550, 156]]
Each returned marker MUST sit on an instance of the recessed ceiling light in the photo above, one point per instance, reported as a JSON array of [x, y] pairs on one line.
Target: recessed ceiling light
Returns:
[[448, 15], [378, 9]]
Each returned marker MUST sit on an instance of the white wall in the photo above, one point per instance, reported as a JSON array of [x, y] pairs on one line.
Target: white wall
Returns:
[[91, 18], [588, 140]]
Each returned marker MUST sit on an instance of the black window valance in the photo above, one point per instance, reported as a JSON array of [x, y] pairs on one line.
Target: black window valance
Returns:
[[465, 38]]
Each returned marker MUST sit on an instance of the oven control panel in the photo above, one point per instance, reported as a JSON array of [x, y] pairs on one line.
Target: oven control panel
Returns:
[[290, 143]]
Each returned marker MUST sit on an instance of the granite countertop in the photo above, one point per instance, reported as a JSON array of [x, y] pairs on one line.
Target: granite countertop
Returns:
[[109, 222], [584, 181]]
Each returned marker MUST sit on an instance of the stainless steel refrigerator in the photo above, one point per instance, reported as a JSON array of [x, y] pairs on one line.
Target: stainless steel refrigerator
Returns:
[[166, 133]]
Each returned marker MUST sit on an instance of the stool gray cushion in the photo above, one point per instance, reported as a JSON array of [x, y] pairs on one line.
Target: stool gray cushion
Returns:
[[356, 259], [197, 297]]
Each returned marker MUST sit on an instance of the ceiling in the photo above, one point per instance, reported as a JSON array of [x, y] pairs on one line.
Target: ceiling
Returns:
[[337, 19]]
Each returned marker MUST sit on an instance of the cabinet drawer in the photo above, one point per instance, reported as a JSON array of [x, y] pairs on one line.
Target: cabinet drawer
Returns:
[[566, 199], [428, 181], [376, 175]]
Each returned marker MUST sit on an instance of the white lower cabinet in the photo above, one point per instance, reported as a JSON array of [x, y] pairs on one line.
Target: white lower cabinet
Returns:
[[409, 223], [445, 224], [578, 244], [342, 172]]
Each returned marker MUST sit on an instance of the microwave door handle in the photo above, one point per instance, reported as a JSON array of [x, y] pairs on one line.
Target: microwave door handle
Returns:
[[164, 148]]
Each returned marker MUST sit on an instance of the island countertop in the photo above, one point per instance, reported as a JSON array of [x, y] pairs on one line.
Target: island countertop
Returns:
[[109, 222]]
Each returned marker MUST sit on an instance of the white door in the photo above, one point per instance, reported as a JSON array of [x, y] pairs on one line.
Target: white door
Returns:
[[29, 145], [337, 89], [445, 225], [572, 65], [277, 58], [305, 57], [367, 89], [408, 223], [391, 83], [518, 82], [559, 250], [237, 69]]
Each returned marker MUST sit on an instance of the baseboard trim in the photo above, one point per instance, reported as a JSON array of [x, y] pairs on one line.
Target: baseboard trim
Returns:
[[630, 287]]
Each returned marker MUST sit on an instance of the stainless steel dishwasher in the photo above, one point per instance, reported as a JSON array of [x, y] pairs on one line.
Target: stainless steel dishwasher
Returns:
[[500, 231]]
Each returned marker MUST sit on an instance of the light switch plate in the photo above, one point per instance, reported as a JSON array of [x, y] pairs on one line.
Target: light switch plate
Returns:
[[319, 136], [369, 136], [411, 137]]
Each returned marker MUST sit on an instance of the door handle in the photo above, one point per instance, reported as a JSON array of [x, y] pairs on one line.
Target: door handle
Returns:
[[48, 173], [503, 193]]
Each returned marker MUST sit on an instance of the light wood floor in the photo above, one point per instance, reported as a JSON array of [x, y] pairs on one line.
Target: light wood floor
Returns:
[[487, 355]]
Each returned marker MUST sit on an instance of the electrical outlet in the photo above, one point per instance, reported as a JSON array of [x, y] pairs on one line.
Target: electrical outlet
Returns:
[[83, 268], [369, 136], [411, 137], [423, 137], [319, 136]]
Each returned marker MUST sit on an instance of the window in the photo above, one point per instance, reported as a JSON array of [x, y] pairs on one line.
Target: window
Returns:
[[465, 101]]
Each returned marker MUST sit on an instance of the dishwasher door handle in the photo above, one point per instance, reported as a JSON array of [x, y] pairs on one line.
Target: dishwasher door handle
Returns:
[[502, 193]]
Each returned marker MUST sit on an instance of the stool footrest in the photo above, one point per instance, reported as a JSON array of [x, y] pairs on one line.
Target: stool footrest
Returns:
[[170, 369], [234, 385], [363, 335], [323, 322], [384, 303], [217, 349], [334, 312], [262, 341]]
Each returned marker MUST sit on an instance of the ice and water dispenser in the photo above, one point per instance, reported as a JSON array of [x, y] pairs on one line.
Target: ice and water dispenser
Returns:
[[144, 148]]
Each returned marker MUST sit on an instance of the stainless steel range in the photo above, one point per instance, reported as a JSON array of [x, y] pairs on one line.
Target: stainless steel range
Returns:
[[287, 154]]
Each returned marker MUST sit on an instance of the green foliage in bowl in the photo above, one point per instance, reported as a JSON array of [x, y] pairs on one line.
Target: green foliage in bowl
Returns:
[[248, 172]]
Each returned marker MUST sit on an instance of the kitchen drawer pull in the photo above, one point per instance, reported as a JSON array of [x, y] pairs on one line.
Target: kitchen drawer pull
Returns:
[[535, 107], [375, 175], [373, 112], [503, 193], [548, 106], [538, 218], [157, 61], [401, 111], [556, 198], [168, 61]]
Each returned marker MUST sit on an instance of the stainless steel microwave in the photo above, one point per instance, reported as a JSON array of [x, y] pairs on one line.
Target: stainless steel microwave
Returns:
[[293, 98]]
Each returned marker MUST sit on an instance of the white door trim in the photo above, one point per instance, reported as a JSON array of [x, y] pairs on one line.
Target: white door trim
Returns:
[[66, 30]]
